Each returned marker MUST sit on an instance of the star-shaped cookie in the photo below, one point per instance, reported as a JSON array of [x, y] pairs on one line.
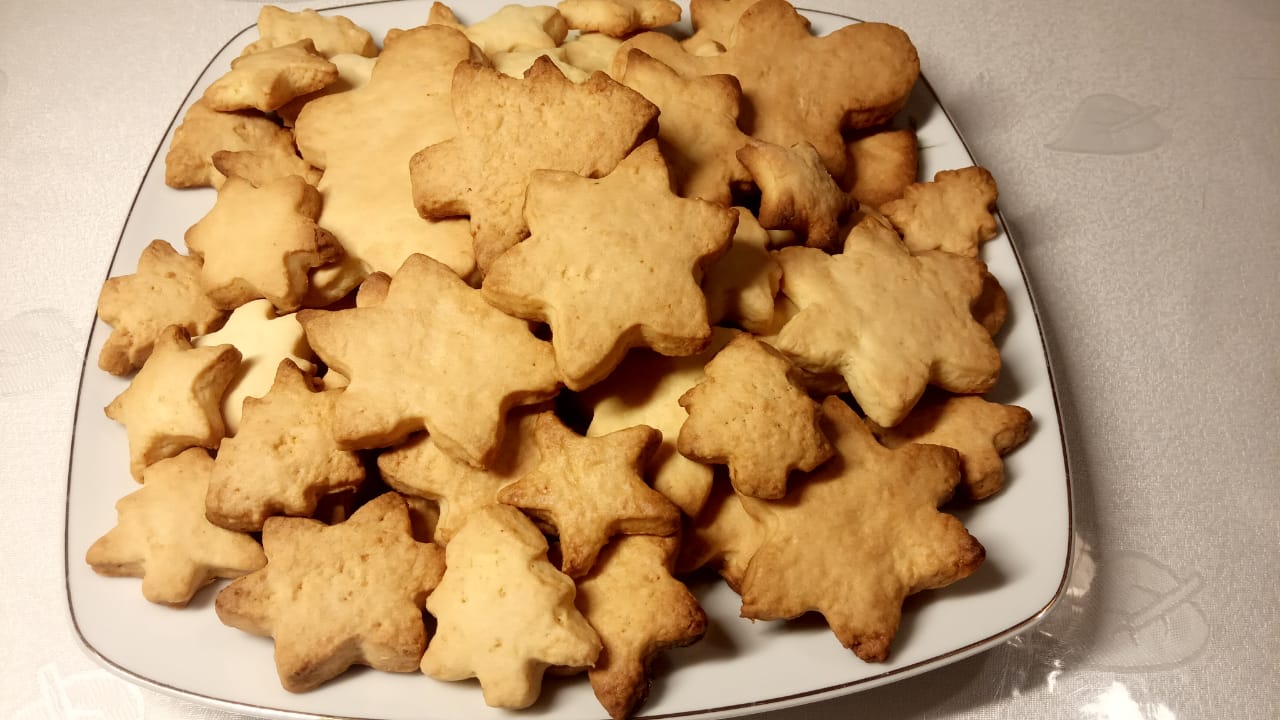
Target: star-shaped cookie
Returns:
[[162, 535], [698, 126], [626, 232], [175, 400], [267, 79], [749, 413], [889, 321], [433, 355], [284, 459], [874, 512], [857, 76], [164, 291], [981, 431], [590, 489], [506, 132], [204, 131], [504, 613], [332, 34], [260, 243], [339, 595], [639, 610]]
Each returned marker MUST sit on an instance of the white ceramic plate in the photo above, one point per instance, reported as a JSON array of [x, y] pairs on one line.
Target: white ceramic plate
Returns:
[[739, 668]]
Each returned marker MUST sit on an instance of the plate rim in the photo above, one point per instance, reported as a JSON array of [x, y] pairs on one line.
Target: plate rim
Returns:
[[746, 708]]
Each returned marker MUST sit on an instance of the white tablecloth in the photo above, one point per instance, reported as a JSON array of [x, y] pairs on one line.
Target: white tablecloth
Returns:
[[1138, 155]]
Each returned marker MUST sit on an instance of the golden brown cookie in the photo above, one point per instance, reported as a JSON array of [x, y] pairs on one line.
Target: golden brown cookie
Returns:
[[267, 79], [750, 414], [591, 52], [796, 192], [175, 400], [741, 285], [992, 306], [722, 536], [952, 213], [504, 613], [261, 167], [858, 76], [590, 489], [639, 610], [332, 34], [511, 28], [165, 290], [981, 431], [162, 535], [882, 164], [504, 135], [856, 507], [284, 459], [204, 131], [260, 243], [697, 127], [353, 72], [339, 595], [713, 23], [433, 355], [889, 321], [618, 18], [626, 232]]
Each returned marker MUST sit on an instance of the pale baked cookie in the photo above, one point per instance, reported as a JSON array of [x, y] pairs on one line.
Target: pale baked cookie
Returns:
[[504, 613], [889, 321], [261, 242], [353, 72], [175, 400], [713, 23], [591, 52], [165, 290], [796, 192], [722, 536], [873, 512], [433, 355], [858, 76], [749, 414], [363, 140], [283, 459], [698, 127], [590, 489], [339, 595], [332, 34], [263, 339], [261, 167], [512, 28], [981, 431], [627, 232], [619, 18], [204, 131], [162, 535], [741, 286], [952, 213], [268, 79], [504, 135], [639, 610]]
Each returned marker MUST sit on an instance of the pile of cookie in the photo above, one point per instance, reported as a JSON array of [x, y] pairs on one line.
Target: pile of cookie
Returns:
[[520, 323]]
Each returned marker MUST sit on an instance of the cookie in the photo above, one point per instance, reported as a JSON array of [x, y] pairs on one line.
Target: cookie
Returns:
[[873, 511], [162, 535], [165, 290], [340, 595], [952, 213], [518, 62], [713, 23], [261, 167], [627, 232], [267, 79], [992, 306], [981, 431], [332, 34], [618, 18], [353, 72], [260, 243], [504, 136], [858, 76], [723, 536], [420, 468], [263, 339], [796, 192], [645, 390], [363, 140], [433, 355], [511, 28], [504, 614], [284, 459], [591, 488], [889, 321], [591, 52], [175, 400], [639, 610], [741, 286], [748, 413], [204, 131], [882, 164], [697, 127]]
